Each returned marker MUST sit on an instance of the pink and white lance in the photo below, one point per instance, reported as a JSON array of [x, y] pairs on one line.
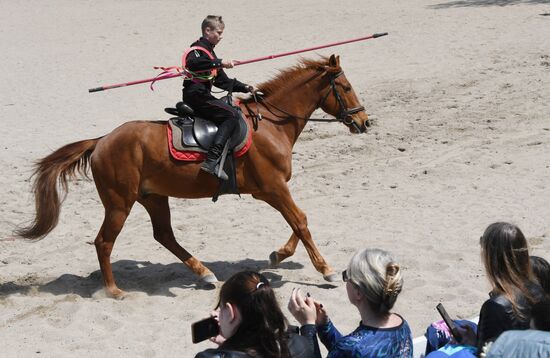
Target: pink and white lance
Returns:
[[172, 72]]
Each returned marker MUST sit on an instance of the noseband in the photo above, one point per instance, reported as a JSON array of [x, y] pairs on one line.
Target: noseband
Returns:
[[344, 115]]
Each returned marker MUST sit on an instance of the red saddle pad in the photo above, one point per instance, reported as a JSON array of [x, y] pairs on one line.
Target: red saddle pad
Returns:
[[193, 156]]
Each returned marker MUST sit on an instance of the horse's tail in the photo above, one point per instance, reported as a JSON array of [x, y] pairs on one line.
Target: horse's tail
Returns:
[[62, 165]]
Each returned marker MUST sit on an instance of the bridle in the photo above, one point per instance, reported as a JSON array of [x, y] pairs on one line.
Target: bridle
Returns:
[[344, 114]]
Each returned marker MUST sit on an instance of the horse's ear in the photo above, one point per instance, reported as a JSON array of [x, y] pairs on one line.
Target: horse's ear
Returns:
[[334, 61]]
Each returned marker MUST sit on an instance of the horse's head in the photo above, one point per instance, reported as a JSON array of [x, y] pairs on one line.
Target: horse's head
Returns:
[[340, 99]]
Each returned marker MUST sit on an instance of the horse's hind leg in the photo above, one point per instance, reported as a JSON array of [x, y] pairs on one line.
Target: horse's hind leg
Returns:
[[118, 198], [159, 211], [112, 224]]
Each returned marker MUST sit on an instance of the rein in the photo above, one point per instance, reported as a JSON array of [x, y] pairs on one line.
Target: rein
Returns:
[[344, 115]]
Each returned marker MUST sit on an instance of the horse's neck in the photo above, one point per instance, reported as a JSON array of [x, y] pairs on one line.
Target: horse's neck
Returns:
[[301, 101]]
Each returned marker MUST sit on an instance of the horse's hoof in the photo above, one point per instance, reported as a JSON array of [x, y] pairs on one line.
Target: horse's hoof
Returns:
[[209, 279], [116, 293], [208, 282], [273, 260], [332, 277]]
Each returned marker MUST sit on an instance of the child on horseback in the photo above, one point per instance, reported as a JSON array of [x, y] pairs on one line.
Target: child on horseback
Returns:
[[207, 70]]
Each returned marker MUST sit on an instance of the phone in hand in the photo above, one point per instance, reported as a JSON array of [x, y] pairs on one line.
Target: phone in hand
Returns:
[[204, 329], [449, 322]]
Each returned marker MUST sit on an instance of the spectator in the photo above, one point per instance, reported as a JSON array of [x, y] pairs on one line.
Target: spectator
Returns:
[[520, 344], [541, 269], [373, 282], [252, 323], [515, 289], [541, 316], [534, 342]]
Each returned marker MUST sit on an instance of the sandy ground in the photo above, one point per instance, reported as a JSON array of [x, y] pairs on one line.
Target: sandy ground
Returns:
[[460, 97]]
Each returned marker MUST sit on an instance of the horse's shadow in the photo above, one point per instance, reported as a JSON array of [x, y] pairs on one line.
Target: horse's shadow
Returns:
[[484, 3], [154, 279]]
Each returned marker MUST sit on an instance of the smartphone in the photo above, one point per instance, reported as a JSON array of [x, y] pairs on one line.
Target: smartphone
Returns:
[[449, 322], [204, 329]]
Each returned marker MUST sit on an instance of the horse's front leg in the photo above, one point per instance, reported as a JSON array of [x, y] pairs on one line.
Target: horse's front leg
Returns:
[[159, 211], [285, 251], [282, 201]]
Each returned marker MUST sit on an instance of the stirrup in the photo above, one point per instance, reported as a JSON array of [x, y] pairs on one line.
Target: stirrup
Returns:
[[217, 172], [220, 173]]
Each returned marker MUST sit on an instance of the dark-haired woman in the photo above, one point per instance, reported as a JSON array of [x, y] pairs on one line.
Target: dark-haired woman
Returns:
[[514, 291], [252, 323], [541, 269], [373, 282]]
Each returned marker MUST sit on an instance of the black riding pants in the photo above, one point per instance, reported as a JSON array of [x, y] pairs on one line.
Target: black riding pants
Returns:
[[217, 111]]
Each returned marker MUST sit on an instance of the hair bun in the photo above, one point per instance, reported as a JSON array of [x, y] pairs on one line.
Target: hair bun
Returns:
[[392, 269], [393, 280]]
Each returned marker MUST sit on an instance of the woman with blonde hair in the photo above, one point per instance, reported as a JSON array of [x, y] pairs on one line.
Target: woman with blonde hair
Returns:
[[373, 281]]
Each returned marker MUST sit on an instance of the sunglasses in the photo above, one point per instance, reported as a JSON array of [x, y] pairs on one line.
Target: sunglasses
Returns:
[[345, 277]]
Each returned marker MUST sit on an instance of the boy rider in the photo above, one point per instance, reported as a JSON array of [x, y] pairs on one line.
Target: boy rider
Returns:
[[196, 91]]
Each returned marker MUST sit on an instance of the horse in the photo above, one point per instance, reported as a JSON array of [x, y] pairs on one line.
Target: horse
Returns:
[[132, 164]]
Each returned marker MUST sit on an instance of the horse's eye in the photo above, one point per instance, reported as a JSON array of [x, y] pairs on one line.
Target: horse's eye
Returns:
[[347, 88]]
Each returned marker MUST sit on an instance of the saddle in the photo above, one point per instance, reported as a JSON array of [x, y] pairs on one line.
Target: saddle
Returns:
[[194, 134], [190, 136]]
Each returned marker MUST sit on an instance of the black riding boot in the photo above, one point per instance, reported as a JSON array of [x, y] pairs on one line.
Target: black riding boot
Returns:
[[210, 165], [215, 151]]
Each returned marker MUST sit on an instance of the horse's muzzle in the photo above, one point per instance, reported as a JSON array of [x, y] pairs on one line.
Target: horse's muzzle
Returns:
[[356, 128]]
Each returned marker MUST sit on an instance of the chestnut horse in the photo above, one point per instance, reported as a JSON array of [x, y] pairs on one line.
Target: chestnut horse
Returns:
[[132, 163]]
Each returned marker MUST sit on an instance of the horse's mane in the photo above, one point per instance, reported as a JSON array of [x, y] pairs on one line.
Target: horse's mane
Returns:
[[290, 74]]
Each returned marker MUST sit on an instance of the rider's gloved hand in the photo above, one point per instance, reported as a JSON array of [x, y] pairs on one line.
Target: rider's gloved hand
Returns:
[[228, 63]]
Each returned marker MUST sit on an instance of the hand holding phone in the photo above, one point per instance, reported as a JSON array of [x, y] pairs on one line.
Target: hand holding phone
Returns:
[[449, 322], [204, 329]]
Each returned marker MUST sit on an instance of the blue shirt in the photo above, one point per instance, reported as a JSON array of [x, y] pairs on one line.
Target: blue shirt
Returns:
[[367, 341], [529, 343]]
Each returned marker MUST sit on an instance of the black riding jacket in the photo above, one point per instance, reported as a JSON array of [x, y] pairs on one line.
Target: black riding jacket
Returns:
[[298, 346], [199, 60], [497, 315]]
